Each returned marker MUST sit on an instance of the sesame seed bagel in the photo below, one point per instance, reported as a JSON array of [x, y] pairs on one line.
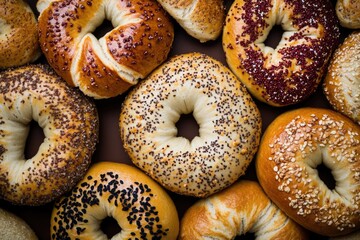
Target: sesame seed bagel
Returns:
[[229, 125], [293, 70], [14, 228], [348, 12], [342, 81], [292, 147], [201, 19], [70, 125], [241, 208], [142, 209], [18, 34], [140, 40]]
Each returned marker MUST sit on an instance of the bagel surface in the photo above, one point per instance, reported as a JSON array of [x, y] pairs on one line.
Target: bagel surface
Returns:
[[348, 12]]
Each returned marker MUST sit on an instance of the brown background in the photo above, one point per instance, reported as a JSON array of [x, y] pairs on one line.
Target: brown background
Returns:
[[110, 146]]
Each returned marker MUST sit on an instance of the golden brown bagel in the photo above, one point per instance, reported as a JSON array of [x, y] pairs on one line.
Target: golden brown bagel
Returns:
[[140, 41], [292, 147], [292, 71], [241, 208], [142, 209], [229, 125], [201, 19], [348, 12], [18, 34], [70, 125], [342, 81], [14, 228]]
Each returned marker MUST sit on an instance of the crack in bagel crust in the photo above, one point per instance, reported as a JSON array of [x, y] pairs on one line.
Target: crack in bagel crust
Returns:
[[229, 125], [291, 72], [70, 124], [140, 41]]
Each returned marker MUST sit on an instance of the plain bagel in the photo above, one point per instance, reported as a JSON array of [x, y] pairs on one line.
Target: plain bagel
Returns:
[[241, 208], [293, 70], [292, 147], [70, 124], [140, 41], [229, 125], [142, 209], [18, 34]]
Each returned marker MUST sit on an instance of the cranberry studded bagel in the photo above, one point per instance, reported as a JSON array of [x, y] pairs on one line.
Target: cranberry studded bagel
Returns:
[[142, 209], [70, 125], [18, 34], [229, 125], [292, 148], [348, 12], [235, 211], [140, 40], [293, 70]]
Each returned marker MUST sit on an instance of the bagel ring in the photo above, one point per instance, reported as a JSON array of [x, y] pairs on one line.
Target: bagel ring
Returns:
[[140, 41], [293, 70], [142, 209], [292, 147], [70, 125], [348, 12], [229, 125]]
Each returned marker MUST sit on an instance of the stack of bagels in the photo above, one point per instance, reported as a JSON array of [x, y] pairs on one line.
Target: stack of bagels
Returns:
[[93, 97]]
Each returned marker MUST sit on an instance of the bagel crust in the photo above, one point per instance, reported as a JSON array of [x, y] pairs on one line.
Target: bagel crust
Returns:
[[140, 41], [18, 34], [292, 147], [348, 12], [241, 208], [342, 81], [229, 125], [70, 125], [142, 209], [293, 70]]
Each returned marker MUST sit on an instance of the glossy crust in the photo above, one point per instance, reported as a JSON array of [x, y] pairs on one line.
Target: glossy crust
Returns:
[[342, 82], [241, 208], [140, 41], [292, 147], [18, 34], [229, 125], [348, 12], [292, 71], [70, 125], [14, 228], [140, 206], [202, 19]]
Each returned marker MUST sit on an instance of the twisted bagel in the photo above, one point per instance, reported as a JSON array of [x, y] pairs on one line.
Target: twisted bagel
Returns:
[[201, 19], [140, 206], [291, 72], [140, 41], [342, 81], [70, 125], [348, 12], [239, 209], [229, 125], [292, 147], [18, 34]]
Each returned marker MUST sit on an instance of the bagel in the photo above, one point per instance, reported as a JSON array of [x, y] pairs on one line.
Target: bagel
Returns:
[[342, 82], [201, 19], [241, 208], [293, 70], [348, 12], [140, 206], [70, 125], [229, 125], [15, 228], [292, 147], [18, 34], [104, 68]]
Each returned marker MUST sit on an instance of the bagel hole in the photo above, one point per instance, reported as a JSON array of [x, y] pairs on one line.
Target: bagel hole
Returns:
[[105, 27], [110, 227], [274, 37], [34, 139], [326, 176], [246, 236], [187, 126]]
